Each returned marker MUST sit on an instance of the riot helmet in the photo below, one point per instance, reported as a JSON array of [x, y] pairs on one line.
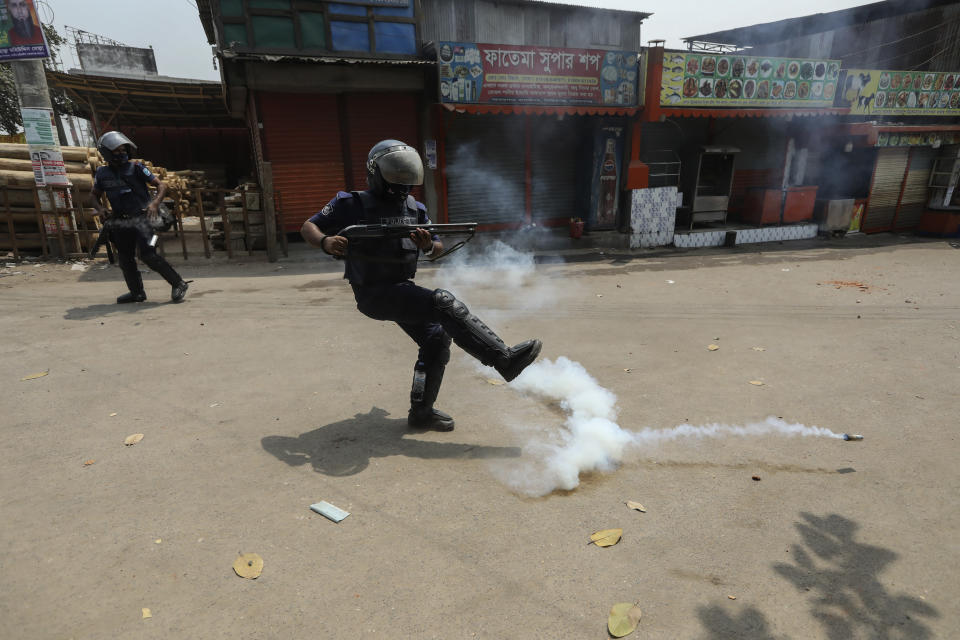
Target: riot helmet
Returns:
[[109, 145], [393, 168]]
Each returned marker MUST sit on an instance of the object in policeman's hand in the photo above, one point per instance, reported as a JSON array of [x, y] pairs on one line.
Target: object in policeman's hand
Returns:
[[852, 436], [153, 240]]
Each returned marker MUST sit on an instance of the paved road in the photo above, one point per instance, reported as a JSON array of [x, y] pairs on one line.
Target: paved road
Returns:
[[266, 391]]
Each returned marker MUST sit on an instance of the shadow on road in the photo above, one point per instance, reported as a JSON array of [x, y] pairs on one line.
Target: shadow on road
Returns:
[[846, 595], [99, 310], [842, 576], [346, 447]]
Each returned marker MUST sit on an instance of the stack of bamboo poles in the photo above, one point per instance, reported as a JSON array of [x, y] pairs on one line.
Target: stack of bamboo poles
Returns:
[[22, 209], [182, 188]]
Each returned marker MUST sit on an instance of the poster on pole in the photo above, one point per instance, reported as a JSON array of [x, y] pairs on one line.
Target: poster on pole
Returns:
[[21, 37], [45, 154]]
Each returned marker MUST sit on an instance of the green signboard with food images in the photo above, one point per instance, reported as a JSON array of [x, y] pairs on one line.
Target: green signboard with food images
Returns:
[[731, 80], [901, 93], [915, 139]]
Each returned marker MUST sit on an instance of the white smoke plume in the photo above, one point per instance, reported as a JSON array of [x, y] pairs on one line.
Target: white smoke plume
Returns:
[[591, 439]]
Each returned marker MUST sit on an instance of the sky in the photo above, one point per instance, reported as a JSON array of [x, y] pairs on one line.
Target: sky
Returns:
[[173, 29]]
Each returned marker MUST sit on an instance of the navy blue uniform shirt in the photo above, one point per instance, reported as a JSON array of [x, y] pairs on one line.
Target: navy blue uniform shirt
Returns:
[[126, 187], [345, 210]]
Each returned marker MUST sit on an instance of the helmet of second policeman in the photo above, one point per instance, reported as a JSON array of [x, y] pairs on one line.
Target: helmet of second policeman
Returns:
[[393, 167]]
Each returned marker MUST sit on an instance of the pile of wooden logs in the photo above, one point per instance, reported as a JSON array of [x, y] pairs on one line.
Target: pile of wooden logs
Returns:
[[18, 200]]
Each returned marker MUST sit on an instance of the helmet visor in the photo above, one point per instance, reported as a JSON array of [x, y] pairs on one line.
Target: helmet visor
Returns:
[[401, 166]]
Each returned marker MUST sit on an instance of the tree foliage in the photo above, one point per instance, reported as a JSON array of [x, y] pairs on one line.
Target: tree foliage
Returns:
[[10, 120]]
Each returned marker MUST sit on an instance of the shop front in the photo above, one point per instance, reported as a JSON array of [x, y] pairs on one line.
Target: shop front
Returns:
[[533, 135], [742, 134], [914, 149]]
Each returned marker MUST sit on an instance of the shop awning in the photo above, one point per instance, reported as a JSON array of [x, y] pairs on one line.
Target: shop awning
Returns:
[[540, 110], [688, 112]]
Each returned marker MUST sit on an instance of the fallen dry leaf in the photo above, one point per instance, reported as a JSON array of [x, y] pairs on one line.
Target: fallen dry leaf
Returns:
[[145, 613], [494, 381], [759, 349], [248, 565], [34, 376], [628, 370], [133, 439], [88, 463], [732, 597], [623, 619], [756, 478], [113, 414], [606, 537], [758, 383], [636, 505], [713, 347], [158, 541]]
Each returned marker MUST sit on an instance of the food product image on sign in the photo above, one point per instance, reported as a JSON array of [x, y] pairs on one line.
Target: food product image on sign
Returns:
[[739, 66], [907, 82], [706, 88], [793, 69], [790, 90], [820, 70], [749, 88], [816, 89], [880, 99], [928, 81], [806, 71], [776, 91], [723, 66], [690, 88], [766, 68], [735, 88], [803, 91], [763, 90], [708, 66], [781, 70], [895, 81], [828, 91], [884, 80], [693, 65], [720, 88]]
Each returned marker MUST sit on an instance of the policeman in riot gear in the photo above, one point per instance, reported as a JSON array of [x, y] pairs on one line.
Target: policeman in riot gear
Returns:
[[381, 274], [126, 185]]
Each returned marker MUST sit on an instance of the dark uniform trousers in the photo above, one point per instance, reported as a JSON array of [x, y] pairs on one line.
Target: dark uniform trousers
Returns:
[[127, 241]]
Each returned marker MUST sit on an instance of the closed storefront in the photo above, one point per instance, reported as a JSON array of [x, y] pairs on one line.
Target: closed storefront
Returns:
[[318, 143], [485, 169], [913, 202], [555, 147], [888, 177]]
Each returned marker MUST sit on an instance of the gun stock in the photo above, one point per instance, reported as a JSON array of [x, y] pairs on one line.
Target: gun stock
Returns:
[[395, 231]]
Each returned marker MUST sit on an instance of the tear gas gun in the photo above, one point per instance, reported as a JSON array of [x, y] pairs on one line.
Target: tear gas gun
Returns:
[[398, 231], [103, 238]]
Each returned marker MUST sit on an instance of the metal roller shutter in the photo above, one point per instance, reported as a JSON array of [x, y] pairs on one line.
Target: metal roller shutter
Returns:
[[915, 192], [301, 136], [885, 192], [554, 168], [485, 169], [372, 117]]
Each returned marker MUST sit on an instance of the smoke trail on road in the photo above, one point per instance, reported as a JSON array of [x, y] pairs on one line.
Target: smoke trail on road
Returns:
[[591, 439]]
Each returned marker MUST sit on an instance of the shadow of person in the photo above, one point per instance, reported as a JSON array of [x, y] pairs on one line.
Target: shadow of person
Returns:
[[344, 448], [843, 577], [750, 624], [99, 310]]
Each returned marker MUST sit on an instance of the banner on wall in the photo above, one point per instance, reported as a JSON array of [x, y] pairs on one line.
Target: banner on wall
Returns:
[[21, 37], [507, 74], [744, 81], [901, 93]]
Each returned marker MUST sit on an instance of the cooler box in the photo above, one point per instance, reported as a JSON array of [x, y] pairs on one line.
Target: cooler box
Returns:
[[798, 204]]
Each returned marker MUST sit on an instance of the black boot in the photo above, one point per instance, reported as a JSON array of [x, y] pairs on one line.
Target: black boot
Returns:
[[131, 297], [479, 340], [134, 283], [426, 386], [179, 290]]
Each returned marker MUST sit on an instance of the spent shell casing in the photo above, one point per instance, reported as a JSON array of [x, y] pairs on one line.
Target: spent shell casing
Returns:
[[852, 436]]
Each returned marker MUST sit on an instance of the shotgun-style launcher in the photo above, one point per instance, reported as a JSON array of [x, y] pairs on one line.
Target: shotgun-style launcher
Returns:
[[395, 231]]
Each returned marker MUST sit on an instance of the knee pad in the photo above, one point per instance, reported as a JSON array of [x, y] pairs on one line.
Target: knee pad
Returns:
[[447, 304]]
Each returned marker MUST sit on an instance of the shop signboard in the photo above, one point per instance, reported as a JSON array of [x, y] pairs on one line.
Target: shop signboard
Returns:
[[45, 154], [21, 37], [914, 139], [507, 74], [731, 80], [608, 145], [869, 92]]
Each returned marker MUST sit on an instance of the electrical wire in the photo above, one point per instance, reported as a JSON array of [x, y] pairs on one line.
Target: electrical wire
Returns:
[[931, 57], [907, 53]]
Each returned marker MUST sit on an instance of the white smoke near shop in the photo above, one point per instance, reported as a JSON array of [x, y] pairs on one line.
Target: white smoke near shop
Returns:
[[590, 439]]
